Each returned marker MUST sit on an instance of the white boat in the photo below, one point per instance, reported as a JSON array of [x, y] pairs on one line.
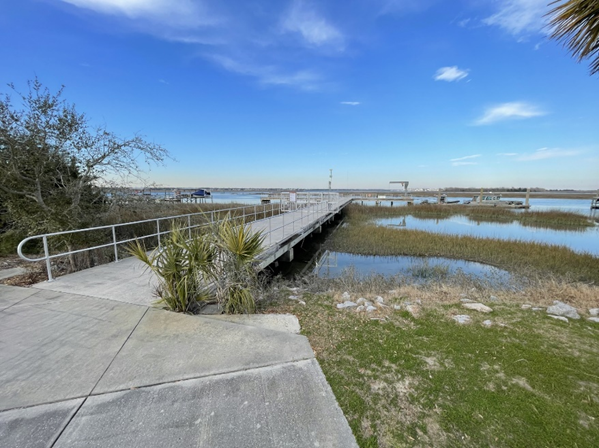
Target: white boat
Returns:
[[494, 200]]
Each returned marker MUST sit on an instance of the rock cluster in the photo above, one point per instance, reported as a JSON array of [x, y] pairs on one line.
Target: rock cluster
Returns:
[[561, 309]]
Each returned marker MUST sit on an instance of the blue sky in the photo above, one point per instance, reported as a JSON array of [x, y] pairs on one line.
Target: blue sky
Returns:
[[274, 93]]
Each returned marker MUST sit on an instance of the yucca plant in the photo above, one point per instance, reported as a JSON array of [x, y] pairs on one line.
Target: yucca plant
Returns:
[[218, 264], [184, 268], [235, 272]]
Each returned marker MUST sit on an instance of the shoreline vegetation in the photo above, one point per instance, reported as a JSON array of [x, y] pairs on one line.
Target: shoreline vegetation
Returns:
[[362, 237], [407, 374], [550, 219]]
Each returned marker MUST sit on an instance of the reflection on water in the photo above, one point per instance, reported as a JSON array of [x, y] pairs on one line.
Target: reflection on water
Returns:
[[333, 264], [586, 240]]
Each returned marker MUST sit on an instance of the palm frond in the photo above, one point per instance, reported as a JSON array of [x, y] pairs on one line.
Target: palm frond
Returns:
[[576, 23]]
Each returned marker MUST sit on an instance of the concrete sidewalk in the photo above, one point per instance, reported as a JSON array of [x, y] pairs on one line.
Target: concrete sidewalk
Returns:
[[127, 281], [84, 371]]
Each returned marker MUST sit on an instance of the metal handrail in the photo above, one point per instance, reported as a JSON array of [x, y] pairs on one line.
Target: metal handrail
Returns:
[[267, 211]]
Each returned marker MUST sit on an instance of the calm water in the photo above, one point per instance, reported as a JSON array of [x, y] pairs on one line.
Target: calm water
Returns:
[[579, 241], [332, 264]]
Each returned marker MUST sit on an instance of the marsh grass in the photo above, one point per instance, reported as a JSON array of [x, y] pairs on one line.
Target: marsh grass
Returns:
[[525, 258], [557, 220], [402, 380]]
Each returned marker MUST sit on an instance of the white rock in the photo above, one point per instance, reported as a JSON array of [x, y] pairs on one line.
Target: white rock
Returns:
[[594, 311], [360, 308], [477, 307], [293, 297], [379, 299], [562, 318], [561, 309], [462, 319], [594, 319], [346, 304], [537, 308], [361, 300], [370, 308], [464, 300], [493, 299], [487, 323], [526, 306], [414, 310], [345, 296], [419, 302], [397, 307], [293, 289], [301, 302], [367, 303]]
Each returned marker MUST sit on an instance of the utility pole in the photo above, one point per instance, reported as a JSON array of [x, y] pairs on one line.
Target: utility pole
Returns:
[[330, 180]]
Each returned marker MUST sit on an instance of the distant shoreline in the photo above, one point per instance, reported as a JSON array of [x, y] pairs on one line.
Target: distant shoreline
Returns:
[[548, 194]]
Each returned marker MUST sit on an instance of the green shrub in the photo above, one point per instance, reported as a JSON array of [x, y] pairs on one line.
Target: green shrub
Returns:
[[218, 264]]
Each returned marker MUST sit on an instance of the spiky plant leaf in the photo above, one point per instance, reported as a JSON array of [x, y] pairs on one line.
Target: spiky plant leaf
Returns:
[[576, 23]]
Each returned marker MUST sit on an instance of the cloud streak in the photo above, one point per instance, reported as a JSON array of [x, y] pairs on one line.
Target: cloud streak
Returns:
[[519, 17], [350, 103], [465, 158], [548, 153], [270, 75], [509, 111], [464, 161], [450, 74], [180, 13]]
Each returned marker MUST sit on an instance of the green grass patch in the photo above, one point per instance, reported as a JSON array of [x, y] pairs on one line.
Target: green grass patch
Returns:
[[528, 380]]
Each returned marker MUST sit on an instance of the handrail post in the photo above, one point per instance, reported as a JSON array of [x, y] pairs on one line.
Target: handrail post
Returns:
[[158, 232], [116, 251], [189, 225], [47, 255]]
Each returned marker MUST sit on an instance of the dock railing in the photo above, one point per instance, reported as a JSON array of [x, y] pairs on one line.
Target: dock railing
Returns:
[[299, 215]]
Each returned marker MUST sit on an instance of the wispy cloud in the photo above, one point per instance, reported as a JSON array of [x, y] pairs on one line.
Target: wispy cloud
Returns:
[[464, 22], [548, 153], [507, 154], [252, 40], [302, 18], [466, 160], [450, 74], [185, 13], [270, 75], [351, 103], [475, 156], [509, 111], [518, 17], [162, 81]]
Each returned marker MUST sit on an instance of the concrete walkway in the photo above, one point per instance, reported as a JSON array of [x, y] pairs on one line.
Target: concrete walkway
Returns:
[[81, 371], [127, 281]]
